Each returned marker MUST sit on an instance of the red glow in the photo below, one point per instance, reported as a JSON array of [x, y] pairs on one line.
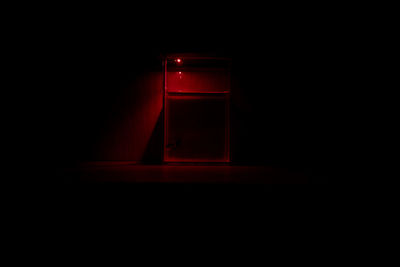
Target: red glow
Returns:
[[198, 81], [120, 139], [178, 60]]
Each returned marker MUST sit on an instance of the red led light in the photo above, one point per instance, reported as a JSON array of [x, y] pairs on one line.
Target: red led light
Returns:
[[180, 72], [178, 60]]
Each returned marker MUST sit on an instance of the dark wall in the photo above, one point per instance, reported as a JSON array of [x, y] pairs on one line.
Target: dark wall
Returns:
[[283, 106], [108, 106]]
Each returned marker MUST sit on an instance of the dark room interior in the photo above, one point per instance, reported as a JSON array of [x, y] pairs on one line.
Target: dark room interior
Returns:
[[105, 90]]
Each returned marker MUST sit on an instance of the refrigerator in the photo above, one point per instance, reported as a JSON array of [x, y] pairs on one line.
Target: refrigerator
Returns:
[[197, 93]]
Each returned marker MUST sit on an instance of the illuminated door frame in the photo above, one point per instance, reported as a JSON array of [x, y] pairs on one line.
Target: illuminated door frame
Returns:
[[178, 58]]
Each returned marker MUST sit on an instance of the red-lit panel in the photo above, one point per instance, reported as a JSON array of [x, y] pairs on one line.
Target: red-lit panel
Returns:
[[197, 128], [198, 81]]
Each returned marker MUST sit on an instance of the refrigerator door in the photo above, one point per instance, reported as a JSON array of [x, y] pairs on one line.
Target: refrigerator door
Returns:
[[196, 122], [197, 128]]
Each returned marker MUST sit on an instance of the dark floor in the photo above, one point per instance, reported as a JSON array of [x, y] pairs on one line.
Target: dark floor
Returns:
[[128, 172]]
